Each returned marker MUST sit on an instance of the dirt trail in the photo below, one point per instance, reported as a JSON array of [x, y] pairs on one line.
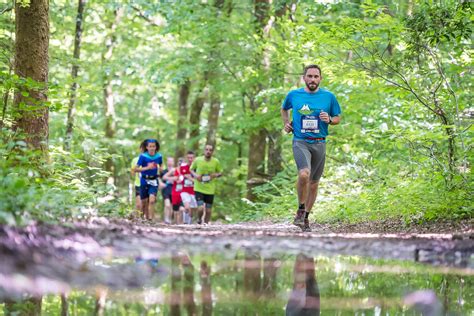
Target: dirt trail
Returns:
[[45, 258]]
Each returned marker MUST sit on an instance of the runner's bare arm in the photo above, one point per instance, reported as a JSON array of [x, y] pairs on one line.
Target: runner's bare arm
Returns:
[[334, 120], [195, 175], [189, 176], [285, 116], [168, 175]]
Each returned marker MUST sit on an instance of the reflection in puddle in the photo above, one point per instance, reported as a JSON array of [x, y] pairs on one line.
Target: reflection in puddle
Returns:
[[249, 283]]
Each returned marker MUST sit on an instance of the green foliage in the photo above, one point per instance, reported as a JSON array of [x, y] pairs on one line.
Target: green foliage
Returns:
[[398, 69], [50, 191], [437, 23], [414, 200]]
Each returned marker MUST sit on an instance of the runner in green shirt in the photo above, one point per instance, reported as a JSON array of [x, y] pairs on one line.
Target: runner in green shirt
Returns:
[[205, 169]]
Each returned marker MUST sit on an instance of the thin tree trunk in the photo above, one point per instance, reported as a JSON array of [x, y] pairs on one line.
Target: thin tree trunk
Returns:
[[275, 163], [74, 71], [213, 118], [109, 103], [195, 118], [182, 118], [274, 158], [256, 161], [6, 97], [257, 139], [188, 288], [206, 289], [223, 11], [31, 61], [100, 300], [252, 275], [64, 305], [175, 295], [269, 282]]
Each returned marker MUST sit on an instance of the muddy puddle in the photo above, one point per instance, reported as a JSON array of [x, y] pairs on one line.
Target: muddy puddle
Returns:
[[121, 268]]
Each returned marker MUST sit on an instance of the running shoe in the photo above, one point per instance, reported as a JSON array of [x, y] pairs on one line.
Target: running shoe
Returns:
[[299, 218], [306, 227]]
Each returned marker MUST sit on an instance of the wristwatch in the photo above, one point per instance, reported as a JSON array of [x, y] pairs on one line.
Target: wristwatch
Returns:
[[330, 120]]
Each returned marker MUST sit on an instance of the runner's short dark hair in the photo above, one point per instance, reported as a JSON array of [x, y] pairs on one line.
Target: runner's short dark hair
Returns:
[[312, 66], [190, 152]]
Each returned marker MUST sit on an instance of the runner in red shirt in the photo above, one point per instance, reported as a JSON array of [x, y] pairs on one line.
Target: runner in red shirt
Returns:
[[187, 195], [178, 187]]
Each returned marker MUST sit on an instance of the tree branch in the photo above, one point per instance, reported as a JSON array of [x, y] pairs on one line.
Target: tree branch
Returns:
[[144, 17], [6, 9]]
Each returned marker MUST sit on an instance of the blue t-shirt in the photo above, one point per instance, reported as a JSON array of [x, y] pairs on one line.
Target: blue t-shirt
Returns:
[[306, 108], [144, 160]]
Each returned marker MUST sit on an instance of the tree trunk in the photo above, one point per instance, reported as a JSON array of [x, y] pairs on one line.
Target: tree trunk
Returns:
[[269, 282], [206, 289], [182, 118], [175, 293], [100, 300], [188, 288], [31, 61], [6, 96], [274, 158], [74, 71], [223, 10], [213, 118], [195, 118], [64, 305], [257, 139], [252, 274], [275, 163], [256, 161], [109, 103]]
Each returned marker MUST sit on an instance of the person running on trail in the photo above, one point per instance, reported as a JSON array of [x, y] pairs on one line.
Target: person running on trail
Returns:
[[205, 170], [136, 176], [177, 178], [313, 110], [184, 187], [167, 190], [149, 164], [188, 196]]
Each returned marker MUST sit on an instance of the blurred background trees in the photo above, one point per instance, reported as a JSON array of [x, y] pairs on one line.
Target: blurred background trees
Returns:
[[217, 72]]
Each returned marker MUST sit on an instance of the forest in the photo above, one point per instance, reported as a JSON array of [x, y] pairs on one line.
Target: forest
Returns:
[[83, 83]]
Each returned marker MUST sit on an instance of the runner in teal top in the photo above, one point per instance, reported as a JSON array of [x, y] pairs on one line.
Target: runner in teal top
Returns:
[[149, 164], [313, 110]]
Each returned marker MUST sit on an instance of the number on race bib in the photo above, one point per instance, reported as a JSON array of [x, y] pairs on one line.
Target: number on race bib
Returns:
[[309, 124], [153, 182], [206, 178]]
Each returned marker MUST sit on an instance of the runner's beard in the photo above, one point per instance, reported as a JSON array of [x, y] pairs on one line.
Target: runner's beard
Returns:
[[312, 86]]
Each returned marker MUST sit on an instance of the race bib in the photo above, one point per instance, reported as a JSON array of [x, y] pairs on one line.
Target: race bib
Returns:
[[205, 178], [309, 124], [179, 187], [153, 182], [188, 183]]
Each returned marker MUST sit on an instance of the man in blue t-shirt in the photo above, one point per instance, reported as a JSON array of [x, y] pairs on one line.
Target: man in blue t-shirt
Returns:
[[149, 164], [313, 110]]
